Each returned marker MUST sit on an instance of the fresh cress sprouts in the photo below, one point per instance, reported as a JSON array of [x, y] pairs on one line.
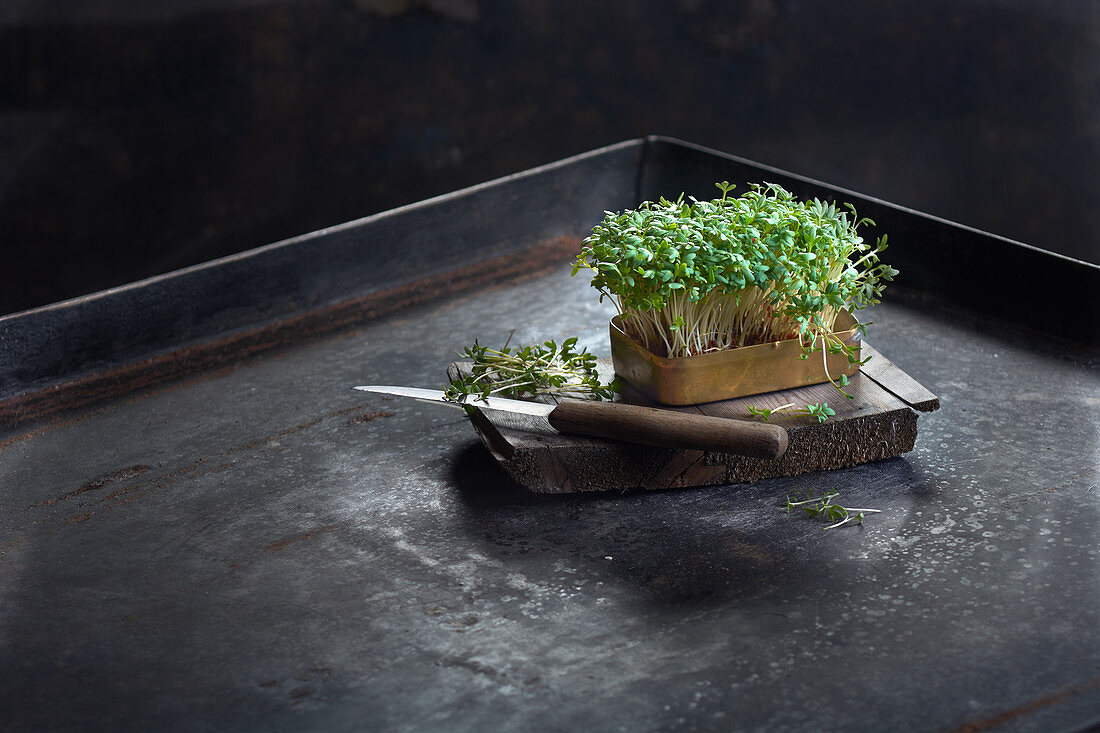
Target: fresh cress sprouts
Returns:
[[689, 277]]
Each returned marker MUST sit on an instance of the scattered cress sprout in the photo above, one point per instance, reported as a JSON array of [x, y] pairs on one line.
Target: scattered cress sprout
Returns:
[[822, 411], [690, 277], [529, 372], [823, 506]]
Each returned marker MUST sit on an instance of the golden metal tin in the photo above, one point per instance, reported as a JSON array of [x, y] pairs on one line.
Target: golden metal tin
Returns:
[[723, 375]]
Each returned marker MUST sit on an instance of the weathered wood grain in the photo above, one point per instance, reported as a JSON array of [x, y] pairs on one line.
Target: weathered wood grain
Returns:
[[890, 376], [875, 424]]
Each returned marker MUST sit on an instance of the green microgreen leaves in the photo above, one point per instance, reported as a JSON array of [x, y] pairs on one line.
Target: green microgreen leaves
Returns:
[[695, 276], [826, 508], [822, 412], [528, 372]]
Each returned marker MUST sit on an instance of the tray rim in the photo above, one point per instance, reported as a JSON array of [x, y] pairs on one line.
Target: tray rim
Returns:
[[103, 345]]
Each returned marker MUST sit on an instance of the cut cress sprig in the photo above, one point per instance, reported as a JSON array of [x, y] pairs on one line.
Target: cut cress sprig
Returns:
[[528, 372], [822, 411], [824, 506]]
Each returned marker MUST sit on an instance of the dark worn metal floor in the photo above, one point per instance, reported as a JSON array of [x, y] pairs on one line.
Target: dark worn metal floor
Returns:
[[262, 548]]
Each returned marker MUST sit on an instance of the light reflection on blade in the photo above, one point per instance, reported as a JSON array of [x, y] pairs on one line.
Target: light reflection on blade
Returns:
[[538, 409]]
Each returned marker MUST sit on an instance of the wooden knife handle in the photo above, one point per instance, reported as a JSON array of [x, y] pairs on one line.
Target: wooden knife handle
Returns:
[[668, 428]]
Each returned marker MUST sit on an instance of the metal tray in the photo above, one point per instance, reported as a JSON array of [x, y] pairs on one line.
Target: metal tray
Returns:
[[203, 527]]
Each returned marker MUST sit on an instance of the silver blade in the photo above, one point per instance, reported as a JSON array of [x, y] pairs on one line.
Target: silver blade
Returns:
[[494, 403]]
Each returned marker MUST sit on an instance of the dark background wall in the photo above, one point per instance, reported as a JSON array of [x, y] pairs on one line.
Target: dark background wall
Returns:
[[138, 137]]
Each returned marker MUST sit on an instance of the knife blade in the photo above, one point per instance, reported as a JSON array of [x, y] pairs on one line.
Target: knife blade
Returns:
[[630, 423]]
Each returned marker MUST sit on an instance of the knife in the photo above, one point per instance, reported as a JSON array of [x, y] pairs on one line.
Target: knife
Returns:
[[632, 423]]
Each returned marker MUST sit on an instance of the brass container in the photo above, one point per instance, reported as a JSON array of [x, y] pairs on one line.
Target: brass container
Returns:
[[723, 375]]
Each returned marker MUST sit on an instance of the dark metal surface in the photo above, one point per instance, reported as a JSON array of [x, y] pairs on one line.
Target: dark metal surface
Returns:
[[268, 549], [262, 548]]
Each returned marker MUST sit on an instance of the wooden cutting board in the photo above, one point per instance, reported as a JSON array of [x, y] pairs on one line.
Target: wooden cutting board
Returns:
[[879, 422]]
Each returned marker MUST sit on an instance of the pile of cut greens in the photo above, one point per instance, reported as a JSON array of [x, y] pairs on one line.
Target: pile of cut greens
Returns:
[[530, 372]]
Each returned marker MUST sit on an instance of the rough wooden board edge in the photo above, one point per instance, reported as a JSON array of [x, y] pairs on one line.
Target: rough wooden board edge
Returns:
[[894, 380], [545, 462], [609, 466], [813, 447], [499, 446]]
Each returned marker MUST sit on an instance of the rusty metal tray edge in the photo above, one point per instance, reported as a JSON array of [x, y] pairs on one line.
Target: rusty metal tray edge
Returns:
[[81, 351]]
